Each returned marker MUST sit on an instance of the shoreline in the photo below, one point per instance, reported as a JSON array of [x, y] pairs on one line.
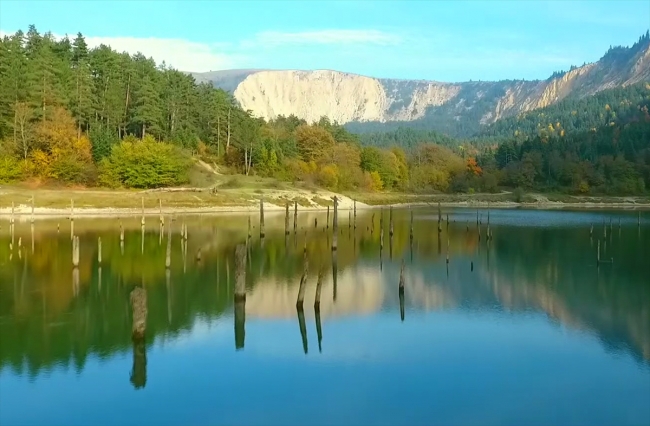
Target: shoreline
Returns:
[[24, 211]]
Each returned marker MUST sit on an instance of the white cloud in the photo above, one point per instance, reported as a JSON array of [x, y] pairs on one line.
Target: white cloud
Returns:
[[181, 54], [194, 56], [332, 36]]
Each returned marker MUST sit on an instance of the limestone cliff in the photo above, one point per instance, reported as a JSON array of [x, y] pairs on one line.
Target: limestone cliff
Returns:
[[350, 98]]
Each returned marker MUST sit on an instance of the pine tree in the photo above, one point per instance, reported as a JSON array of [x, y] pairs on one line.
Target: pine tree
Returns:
[[82, 103], [147, 110]]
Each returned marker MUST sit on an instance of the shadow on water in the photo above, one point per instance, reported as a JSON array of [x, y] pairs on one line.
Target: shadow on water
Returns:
[[52, 313]]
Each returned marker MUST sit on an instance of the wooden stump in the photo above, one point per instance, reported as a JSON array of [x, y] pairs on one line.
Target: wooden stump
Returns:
[[138, 299], [240, 272]]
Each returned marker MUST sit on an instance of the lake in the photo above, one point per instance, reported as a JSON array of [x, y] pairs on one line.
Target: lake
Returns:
[[526, 328]]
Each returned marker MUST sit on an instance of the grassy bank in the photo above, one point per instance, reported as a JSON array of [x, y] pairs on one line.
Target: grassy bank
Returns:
[[505, 197], [233, 193], [225, 193]]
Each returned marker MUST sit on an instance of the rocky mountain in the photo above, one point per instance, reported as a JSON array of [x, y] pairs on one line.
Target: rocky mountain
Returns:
[[460, 109]]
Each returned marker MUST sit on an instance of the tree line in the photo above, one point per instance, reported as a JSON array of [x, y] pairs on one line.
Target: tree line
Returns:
[[97, 117]]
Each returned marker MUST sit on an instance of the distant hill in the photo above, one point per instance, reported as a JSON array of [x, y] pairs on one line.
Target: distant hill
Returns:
[[367, 104]]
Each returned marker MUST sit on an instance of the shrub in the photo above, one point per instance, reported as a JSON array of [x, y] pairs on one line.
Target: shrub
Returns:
[[518, 194], [11, 169], [144, 164], [328, 176], [376, 182], [232, 183]]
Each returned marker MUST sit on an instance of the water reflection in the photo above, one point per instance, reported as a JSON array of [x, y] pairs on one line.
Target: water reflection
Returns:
[[549, 267]]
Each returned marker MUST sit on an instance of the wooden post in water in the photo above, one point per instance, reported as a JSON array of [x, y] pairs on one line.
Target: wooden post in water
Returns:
[[75, 251], [372, 225], [401, 292], [411, 229], [121, 238], [168, 253], [262, 217], [303, 328], [240, 272], [591, 231], [319, 330], [138, 299], [99, 250], [303, 283], [349, 220], [604, 229], [638, 219], [447, 249], [142, 220], [240, 324], [162, 219], [328, 217], [250, 234], [611, 232], [598, 254], [390, 222], [439, 219], [335, 274], [32, 208], [476, 217], [295, 216], [319, 285], [447, 222], [71, 218], [138, 376], [12, 226], [335, 224]]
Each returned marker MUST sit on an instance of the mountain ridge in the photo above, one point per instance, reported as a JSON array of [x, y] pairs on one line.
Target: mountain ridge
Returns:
[[458, 109]]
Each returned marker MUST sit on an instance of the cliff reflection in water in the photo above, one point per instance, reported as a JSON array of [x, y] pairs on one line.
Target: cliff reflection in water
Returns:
[[46, 322]]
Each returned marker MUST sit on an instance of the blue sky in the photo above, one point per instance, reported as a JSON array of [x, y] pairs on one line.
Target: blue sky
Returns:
[[436, 40]]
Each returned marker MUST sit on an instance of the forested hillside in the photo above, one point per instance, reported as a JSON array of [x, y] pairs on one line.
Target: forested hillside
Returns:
[[599, 144], [97, 117], [572, 115]]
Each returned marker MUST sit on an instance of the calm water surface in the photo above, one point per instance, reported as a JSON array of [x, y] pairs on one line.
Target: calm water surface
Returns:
[[523, 329]]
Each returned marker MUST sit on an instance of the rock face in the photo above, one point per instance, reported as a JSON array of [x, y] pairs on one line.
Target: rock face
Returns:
[[347, 98]]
